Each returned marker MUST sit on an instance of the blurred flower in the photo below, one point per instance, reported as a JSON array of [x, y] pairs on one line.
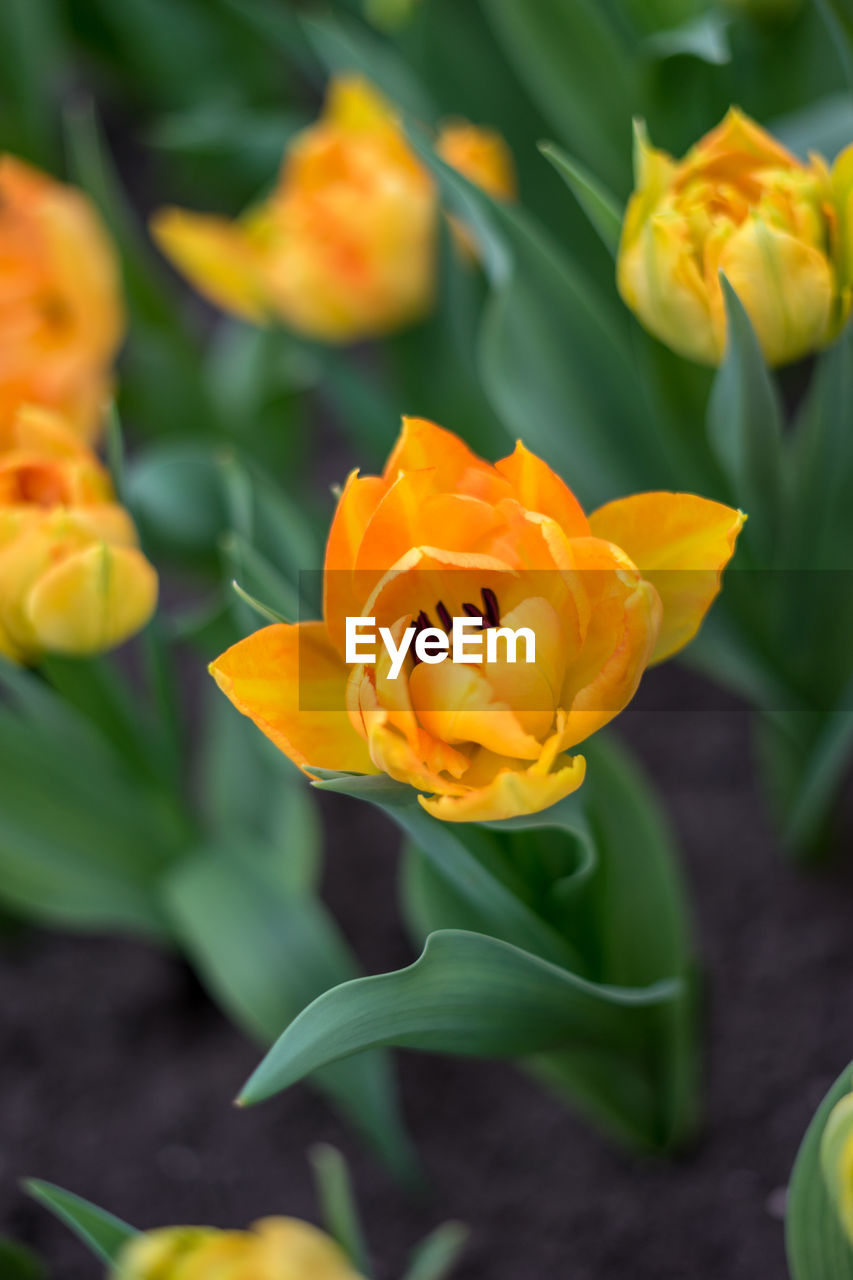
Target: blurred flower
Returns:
[[836, 1157], [483, 157], [442, 534], [345, 246], [61, 315], [274, 1249], [739, 203], [71, 577]]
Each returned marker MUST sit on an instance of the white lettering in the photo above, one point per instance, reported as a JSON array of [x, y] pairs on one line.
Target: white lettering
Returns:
[[431, 645], [396, 653], [511, 636], [461, 638], [353, 640]]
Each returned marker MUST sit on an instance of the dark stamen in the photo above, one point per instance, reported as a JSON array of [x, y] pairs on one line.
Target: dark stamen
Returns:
[[490, 600], [444, 616], [422, 622], [473, 611]]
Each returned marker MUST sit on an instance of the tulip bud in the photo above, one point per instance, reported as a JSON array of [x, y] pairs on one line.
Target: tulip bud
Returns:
[[739, 204], [72, 579]]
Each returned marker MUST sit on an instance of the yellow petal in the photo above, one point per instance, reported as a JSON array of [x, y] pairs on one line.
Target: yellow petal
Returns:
[[785, 284], [481, 155], [218, 259], [513, 791], [93, 600], [352, 102], [681, 544], [291, 681]]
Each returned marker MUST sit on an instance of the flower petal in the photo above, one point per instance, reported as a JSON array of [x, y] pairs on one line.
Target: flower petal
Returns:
[[292, 683], [216, 257], [93, 600], [540, 489], [681, 544]]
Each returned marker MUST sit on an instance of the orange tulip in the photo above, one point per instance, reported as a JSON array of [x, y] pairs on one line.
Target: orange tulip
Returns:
[[61, 315], [72, 579], [345, 246], [443, 534], [481, 155]]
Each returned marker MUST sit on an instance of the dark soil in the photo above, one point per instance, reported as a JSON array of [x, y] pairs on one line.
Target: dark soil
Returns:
[[117, 1072]]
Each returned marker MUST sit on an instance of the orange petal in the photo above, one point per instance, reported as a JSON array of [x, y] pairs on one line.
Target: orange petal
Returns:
[[292, 683], [456, 704], [681, 544], [342, 596], [538, 488], [457, 468], [622, 637]]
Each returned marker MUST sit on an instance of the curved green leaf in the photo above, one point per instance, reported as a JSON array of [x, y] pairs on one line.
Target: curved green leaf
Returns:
[[745, 428], [476, 996], [437, 1255], [602, 208], [265, 951], [816, 1244], [103, 1233]]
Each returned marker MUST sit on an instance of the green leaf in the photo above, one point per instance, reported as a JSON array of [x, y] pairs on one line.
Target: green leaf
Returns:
[[825, 126], [82, 843], [477, 996], [600, 206], [446, 845], [103, 1233], [343, 45], [816, 1244], [705, 37], [176, 493], [745, 429], [560, 50], [265, 952], [437, 1255], [18, 1263], [33, 48], [337, 1205], [555, 355]]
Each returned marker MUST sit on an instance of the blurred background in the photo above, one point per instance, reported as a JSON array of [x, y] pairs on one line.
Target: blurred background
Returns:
[[118, 1070]]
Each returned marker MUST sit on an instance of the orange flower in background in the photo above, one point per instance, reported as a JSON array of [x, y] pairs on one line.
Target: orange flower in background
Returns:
[[442, 534], [61, 314], [481, 155], [345, 246], [72, 579]]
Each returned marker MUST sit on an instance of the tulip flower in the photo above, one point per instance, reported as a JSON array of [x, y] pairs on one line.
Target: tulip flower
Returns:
[[61, 315], [274, 1249], [443, 535], [738, 203], [72, 579], [345, 246], [481, 155]]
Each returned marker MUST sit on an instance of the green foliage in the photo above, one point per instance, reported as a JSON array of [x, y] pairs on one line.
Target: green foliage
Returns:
[[580, 969], [103, 1233], [817, 1246]]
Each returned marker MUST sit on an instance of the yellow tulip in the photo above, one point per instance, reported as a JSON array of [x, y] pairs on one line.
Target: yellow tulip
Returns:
[[274, 1249], [345, 246], [738, 203], [61, 315], [72, 579], [442, 534]]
